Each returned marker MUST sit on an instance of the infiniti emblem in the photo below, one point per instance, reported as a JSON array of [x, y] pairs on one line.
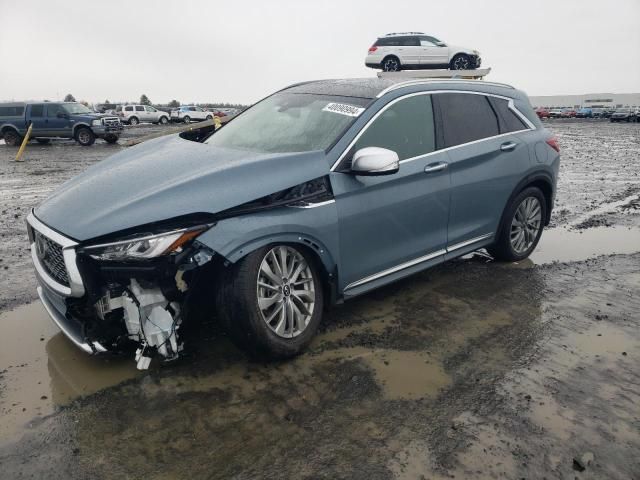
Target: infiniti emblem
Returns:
[[41, 247]]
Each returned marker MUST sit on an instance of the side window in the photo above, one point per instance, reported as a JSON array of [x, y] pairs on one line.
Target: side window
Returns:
[[53, 109], [139, 108], [426, 43], [128, 109], [406, 127], [509, 121], [410, 42], [193, 109], [465, 118], [150, 109], [37, 110]]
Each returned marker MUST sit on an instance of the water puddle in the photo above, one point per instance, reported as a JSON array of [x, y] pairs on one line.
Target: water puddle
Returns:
[[563, 245], [41, 370]]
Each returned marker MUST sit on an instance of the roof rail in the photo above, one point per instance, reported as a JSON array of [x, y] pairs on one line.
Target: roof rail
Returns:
[[410, 83], [404, 33]]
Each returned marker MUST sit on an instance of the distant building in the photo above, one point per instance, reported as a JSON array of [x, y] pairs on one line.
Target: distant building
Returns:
[[612, 100]]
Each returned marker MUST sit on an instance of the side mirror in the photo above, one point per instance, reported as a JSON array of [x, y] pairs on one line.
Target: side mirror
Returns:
[[373, 161]]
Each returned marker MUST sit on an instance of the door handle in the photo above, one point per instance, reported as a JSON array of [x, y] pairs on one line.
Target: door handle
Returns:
[[507, 147], [435, 167]]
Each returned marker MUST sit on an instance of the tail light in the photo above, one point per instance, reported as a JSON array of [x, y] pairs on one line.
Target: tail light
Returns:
[[373, 49], [553, 143]]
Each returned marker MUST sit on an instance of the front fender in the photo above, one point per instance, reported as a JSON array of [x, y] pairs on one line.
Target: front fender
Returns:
[[315, 228]]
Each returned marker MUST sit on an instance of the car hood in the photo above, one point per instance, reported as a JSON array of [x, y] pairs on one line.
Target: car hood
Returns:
[[166, 178]]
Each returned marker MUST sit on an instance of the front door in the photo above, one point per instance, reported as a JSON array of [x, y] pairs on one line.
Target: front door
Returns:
[[431, 53], [58, 122], [391, 225], [38, 119]]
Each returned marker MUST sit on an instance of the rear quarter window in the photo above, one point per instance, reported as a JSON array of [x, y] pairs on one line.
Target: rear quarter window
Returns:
[[11, 111], [465, 118], [509, 121]]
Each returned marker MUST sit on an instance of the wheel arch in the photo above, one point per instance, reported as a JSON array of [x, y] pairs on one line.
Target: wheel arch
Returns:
[[78, 125], [391, 55], [543, 181], [317, 250]]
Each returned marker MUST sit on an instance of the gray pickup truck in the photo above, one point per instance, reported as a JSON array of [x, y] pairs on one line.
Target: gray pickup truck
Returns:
[[56, 120]]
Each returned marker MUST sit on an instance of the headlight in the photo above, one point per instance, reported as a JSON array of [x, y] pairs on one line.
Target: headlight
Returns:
[[96, 123], [143, 248]]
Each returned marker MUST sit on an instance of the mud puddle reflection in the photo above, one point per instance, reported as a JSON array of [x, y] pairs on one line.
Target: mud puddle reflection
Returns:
[[563, 245], [41, 370]]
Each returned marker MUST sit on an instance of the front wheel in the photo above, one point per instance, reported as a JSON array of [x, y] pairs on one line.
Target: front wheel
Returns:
[[187, 119], [164, 120], [209, 117], [111, 138], [460, 62], [521, 226], [85, 137], [271, 301]]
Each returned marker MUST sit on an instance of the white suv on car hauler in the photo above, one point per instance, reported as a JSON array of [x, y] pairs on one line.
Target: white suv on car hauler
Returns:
[[415, 50]]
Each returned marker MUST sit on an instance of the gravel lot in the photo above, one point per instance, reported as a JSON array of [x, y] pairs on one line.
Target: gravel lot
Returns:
[[473, 369]]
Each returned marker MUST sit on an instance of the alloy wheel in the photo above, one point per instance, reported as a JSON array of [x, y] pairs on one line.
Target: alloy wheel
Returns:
[[526, 225], [391, 65], [84, 136], [461, 63], [285, 291]]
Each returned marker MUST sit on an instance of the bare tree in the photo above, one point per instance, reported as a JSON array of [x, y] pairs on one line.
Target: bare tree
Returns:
[[69, 98]]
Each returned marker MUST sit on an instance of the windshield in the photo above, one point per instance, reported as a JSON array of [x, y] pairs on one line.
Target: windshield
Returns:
[[76, 108], [290, 122]]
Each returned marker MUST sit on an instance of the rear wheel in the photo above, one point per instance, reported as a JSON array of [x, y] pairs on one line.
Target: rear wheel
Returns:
[[134, 121], [186, 119], [43, 141], [391, 64], [271, 301], [111, 138], [12, 138], [521, 226], [209, 117], [460, 62], [85, 137]]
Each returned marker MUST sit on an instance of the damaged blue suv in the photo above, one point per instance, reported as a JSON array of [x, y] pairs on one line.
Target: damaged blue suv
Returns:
[[318, 193]]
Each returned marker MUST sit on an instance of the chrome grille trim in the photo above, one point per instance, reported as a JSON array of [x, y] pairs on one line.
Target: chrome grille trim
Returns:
[[75, 287]]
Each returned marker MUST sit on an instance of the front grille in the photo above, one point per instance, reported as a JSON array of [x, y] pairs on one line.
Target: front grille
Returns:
[[111, 121], [51, 258]]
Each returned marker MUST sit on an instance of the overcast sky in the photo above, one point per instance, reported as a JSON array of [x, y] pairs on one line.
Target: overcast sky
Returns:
[[240, 51]]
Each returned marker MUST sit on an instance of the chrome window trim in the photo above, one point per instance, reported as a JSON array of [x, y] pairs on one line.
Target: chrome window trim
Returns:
[[314, 205], [76, 286], [511, 106], [411, 83], [417, 261]]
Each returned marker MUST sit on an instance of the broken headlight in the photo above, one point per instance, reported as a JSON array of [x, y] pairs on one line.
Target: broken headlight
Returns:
[[143, 248]]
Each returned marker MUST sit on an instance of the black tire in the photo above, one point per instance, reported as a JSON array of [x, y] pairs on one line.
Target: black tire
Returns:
[[12, 138], [503, 249], [209, 117], [460, 62], [391, 64], [238, 310], [111, 138], [164, 120], [134, 121], [85, 136], [43, 141], [186, 119]]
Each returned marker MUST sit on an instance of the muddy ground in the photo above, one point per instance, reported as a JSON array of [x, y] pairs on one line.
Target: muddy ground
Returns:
[[470, 370]]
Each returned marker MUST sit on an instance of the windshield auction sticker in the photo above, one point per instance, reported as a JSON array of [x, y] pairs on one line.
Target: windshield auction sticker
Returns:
[[343, 109]]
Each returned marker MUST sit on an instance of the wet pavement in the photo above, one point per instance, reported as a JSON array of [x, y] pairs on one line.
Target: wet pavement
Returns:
[[473, 369]]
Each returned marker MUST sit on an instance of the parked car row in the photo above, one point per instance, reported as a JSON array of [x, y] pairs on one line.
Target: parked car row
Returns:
[[620, 114]]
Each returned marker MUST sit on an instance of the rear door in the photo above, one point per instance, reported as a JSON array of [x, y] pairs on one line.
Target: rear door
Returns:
[[409, 50], [393, 224], [486, 161], [36, 115]]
